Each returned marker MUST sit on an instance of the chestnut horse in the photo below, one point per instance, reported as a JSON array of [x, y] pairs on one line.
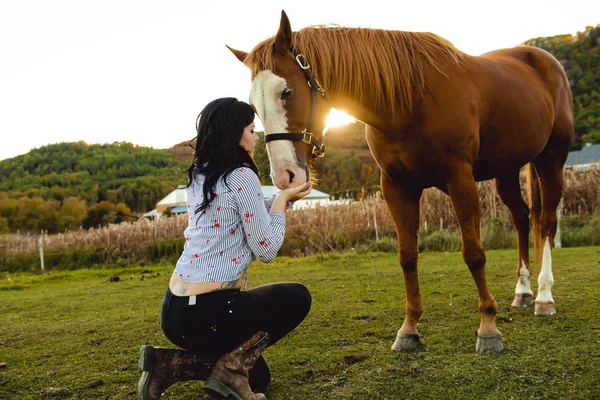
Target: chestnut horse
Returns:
[[436, 117]]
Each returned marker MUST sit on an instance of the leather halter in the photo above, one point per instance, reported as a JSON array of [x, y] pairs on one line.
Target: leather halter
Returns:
[[307, 136]]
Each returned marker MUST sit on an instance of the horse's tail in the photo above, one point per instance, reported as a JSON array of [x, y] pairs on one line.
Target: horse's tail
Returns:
[[535, 202]]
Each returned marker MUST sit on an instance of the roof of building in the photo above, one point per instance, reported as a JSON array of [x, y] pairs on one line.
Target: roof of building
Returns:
[[176, 197], [589, 154]]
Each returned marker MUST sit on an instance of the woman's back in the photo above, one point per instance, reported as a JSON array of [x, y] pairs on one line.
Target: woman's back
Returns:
[[236, 228]]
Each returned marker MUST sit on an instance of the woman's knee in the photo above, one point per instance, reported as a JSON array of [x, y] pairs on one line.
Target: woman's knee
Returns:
[[299, 296]]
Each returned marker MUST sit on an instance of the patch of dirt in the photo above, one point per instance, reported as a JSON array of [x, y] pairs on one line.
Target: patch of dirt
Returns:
[[55, 392], [350, 360], [94, 384], [364, 318], [97, 342]]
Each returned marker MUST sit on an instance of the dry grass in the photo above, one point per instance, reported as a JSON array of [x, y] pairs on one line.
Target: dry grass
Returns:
[[123, 238]]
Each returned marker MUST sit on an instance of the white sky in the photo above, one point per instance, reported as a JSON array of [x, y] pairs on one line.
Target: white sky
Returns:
[[141, 70]]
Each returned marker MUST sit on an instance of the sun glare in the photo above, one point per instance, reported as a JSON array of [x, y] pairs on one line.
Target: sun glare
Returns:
[[337, 118]]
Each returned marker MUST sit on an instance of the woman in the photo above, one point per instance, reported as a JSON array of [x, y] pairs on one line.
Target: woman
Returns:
[[206, 311]]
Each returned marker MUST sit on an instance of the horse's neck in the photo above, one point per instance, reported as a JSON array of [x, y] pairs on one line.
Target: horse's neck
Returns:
[[362, 109]]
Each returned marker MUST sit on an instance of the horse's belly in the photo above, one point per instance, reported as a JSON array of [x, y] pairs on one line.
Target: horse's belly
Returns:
[[484, 170], [516, 142]]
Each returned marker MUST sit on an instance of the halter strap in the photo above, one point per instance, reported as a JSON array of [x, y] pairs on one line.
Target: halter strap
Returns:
[[305, 66], [307, 136]]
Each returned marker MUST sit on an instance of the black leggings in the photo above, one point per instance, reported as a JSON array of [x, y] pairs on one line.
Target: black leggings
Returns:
[[219, 321]]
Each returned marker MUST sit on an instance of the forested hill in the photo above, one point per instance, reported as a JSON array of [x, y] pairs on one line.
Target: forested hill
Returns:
[[114, 181], [117, 172], [580, 57]]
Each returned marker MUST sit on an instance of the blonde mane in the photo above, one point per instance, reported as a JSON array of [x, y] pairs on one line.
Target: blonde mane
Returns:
[[380, 64]]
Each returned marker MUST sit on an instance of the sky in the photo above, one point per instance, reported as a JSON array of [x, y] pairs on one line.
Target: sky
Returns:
[[140, 71]]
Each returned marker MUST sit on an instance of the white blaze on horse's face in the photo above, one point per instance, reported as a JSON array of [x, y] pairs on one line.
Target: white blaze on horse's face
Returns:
[[265, 96]]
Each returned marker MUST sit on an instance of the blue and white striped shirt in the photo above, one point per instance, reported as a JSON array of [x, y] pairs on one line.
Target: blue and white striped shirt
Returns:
[[235, 229]]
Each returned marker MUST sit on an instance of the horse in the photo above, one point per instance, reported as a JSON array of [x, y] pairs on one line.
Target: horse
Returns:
[[435, 117]]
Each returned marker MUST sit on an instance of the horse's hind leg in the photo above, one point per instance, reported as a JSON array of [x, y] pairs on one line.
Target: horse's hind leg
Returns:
[[549, 165], [509, 190], [403, 203], [463, 192], [549, 168]]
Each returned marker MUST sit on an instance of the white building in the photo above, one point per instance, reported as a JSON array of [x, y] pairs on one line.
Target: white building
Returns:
[[176, 201], [584, 159], [313, 199]]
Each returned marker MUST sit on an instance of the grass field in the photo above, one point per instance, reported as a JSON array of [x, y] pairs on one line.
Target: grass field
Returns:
[[79, 332]]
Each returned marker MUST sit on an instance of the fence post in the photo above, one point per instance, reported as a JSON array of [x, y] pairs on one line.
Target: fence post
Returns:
[[41, 247]]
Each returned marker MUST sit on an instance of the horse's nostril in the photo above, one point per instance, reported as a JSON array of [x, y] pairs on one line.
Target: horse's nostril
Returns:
[[292, 175]]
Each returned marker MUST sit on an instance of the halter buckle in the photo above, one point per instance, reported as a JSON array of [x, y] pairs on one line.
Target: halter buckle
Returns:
[[299, 59], [306, 134]]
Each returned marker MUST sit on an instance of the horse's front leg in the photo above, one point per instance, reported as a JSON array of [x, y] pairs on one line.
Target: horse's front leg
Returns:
[[403, 203], [463, 192]]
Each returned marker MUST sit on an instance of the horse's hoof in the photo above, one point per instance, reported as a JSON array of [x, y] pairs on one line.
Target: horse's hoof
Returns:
[[522, 300], [544, 308], [489, 343], [406, 342]]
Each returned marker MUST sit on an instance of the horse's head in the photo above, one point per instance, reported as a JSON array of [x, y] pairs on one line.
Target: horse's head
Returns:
[[290, 104]]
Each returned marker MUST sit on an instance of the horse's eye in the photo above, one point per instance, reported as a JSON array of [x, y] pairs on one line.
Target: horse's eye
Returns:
[[287, 92]]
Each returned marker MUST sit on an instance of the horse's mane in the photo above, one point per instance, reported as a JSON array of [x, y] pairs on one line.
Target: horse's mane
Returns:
[[381, 64]]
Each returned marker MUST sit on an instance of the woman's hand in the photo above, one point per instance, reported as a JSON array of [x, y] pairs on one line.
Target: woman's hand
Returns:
[[290, 194], [298, 192]]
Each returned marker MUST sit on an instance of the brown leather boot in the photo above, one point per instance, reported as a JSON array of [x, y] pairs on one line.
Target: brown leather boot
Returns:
[[229, 378], [162, 367]]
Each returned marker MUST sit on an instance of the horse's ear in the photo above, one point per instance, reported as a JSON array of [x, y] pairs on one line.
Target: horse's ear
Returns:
[[283, 39], [241, 55]]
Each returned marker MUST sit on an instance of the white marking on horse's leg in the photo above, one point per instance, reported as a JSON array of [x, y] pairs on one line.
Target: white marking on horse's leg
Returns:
[[524, 282], [265, 96], [523, 293], [546, 279], [544, 303]]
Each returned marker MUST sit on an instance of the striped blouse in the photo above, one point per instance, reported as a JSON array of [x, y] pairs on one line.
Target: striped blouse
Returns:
[[235, 229]]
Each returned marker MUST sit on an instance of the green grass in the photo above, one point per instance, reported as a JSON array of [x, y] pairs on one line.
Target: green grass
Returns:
[[78, 331]]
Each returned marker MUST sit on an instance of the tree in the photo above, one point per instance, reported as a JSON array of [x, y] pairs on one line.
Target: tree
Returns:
[[72, 213], [105, 213], [580, 57]]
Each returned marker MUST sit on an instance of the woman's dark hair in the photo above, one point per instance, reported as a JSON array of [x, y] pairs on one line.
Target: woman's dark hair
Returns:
[[220, 126]]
